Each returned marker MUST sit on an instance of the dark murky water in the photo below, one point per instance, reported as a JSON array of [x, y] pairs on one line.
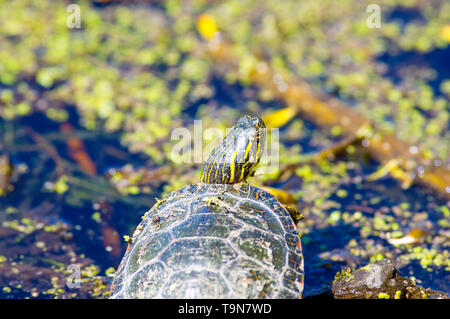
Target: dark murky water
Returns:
[[121, 213]]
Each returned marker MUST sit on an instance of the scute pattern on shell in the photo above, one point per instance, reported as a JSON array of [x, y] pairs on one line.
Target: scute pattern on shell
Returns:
[[213, 241]]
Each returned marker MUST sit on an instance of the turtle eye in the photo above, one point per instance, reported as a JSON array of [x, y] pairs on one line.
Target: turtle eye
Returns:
[[257, 122]]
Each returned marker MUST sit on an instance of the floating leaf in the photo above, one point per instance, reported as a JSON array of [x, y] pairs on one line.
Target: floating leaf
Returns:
[[445, 32], [279, 118], [392, 167], [414, 236], [206, 26]]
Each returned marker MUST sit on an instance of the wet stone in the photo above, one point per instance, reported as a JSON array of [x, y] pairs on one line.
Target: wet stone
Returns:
[[380, 280]]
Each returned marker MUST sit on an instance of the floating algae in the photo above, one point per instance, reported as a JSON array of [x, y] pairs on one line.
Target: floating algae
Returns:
[[133, 73]]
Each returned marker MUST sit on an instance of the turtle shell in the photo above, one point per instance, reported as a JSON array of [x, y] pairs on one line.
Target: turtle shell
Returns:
[[213, 241]]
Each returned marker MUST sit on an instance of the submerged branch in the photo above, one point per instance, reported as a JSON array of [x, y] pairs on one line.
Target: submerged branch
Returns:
[[326, 111]]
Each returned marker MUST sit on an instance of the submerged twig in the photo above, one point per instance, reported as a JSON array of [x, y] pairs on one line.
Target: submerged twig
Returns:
[[61, 166], [328, 112], [6, 170]]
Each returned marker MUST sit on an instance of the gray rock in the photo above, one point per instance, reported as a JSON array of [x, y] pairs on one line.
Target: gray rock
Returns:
[[379, 280]]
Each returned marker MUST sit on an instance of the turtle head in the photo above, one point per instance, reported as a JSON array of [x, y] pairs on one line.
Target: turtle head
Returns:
[[235, 158]]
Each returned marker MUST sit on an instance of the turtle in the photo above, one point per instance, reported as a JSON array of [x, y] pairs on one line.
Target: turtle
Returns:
[[220, 238]]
